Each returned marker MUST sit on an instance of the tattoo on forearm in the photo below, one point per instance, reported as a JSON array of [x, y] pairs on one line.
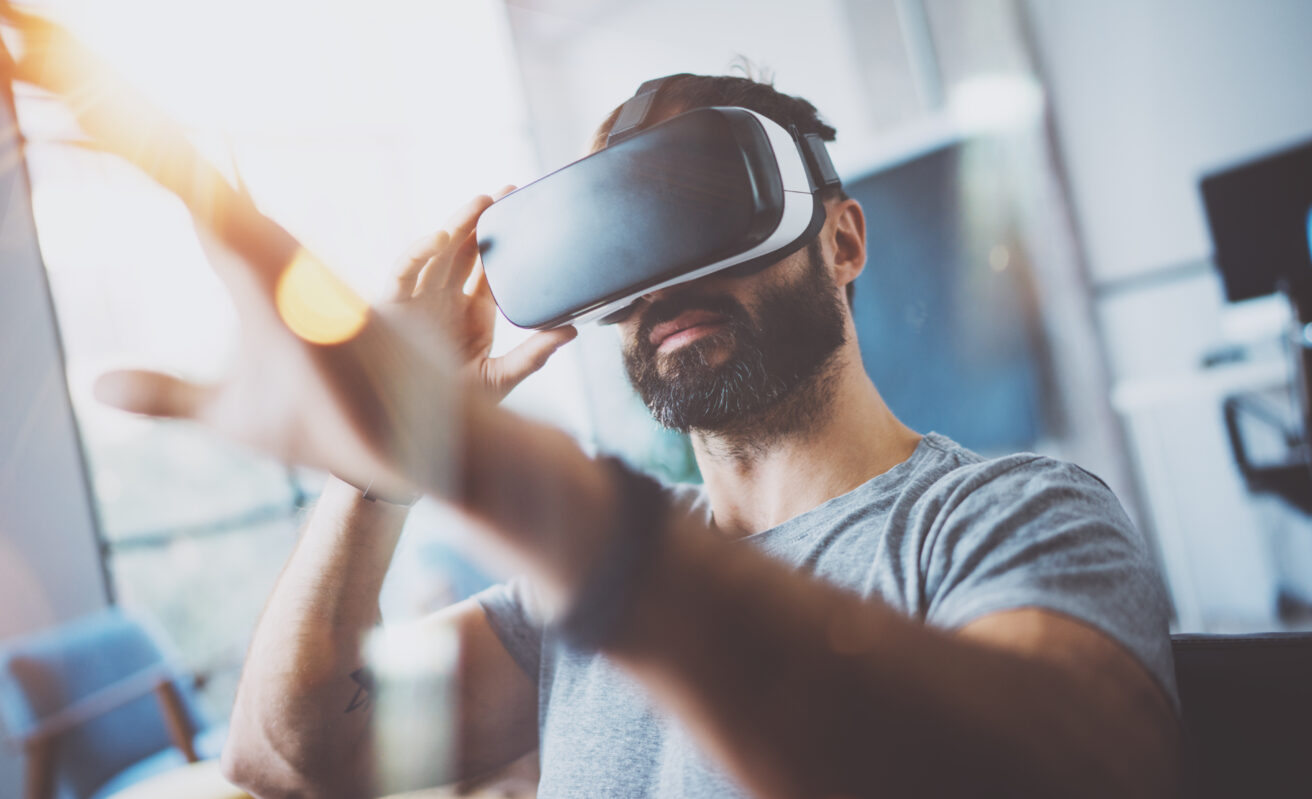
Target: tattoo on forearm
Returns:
[[364, 691]]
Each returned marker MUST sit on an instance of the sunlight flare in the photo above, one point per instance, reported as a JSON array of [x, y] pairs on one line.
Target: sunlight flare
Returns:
[[316, 304]]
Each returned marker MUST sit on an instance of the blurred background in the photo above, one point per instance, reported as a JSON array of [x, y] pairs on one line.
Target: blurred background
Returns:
[[1042, 273]]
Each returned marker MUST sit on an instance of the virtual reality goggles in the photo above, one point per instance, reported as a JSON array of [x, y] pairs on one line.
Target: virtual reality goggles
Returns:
[[708, 190]]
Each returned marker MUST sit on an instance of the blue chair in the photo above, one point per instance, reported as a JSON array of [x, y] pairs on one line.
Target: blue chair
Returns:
[[96, 706]]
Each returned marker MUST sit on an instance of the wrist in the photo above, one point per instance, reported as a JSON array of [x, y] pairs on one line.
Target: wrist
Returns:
[[605, 594], [671, 597], [347, 496]]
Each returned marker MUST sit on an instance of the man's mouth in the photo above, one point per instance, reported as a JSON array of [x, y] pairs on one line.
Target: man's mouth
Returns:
[[684, 328]]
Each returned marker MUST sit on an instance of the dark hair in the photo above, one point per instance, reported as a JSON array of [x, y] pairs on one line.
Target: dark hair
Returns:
[[684, 92]]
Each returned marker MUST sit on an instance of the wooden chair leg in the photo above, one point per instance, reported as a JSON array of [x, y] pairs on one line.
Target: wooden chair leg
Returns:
[[39, 776], [175, 716]]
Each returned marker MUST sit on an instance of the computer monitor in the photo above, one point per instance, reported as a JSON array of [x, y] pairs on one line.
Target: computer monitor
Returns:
[[1258, 215]]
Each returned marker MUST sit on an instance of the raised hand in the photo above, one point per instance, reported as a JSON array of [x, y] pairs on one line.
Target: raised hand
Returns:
[[431, 278], [386, 406], [320, 377]]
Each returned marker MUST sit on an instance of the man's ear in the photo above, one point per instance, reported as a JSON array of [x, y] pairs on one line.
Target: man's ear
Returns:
[[845, 228]]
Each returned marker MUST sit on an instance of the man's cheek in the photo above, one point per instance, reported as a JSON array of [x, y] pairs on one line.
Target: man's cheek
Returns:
[[629, 346]]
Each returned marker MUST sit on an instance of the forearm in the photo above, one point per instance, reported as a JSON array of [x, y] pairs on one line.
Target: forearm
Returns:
[[802, 689], [301, 709]]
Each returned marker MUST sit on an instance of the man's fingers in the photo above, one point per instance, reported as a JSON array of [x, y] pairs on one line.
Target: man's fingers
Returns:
[[150, 393], [407, 277], [122, 120], [440, 270], [458, 226], [462, 222], [482, 289], [511, 369], [428, 262], [412, 264], [451, 265], [463, 262]]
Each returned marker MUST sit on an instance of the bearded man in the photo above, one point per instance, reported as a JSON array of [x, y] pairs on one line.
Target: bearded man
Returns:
[[844, 608]]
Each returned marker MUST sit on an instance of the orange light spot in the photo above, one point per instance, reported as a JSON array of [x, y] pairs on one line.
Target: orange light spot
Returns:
[[316, 304]]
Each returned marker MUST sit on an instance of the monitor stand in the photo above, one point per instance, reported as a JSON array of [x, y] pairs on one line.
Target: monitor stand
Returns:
[[1291, 479]]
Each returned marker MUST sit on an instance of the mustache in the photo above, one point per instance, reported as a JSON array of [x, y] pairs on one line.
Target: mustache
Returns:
[[666, 309]]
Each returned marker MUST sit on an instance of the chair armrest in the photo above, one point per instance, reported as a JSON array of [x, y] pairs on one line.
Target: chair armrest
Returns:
[[39, 770], [38, 741], [175, 717], [96, 704]]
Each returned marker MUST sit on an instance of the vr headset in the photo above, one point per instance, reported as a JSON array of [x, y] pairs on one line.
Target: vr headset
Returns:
[[705, 191]]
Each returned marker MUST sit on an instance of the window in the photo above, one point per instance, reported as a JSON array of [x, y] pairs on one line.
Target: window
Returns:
[[357, 127]]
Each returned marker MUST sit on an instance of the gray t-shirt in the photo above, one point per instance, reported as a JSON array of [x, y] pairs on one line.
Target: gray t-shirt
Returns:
[[945, 536]]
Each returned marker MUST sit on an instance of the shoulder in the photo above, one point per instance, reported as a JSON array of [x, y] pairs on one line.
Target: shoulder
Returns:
[[1029, 531], [1021, 508], [1013, 482]]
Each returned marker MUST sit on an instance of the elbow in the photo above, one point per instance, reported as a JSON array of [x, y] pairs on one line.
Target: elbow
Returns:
[[236, 767], [245, 770], [252, 763]]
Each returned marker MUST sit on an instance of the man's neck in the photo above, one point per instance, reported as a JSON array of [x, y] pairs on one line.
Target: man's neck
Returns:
[[829, 437]]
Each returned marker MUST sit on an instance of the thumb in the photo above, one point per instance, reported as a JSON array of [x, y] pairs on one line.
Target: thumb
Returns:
[[150, 393], [509, 370]]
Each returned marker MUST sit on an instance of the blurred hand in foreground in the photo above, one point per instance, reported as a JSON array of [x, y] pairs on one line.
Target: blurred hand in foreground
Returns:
[[374, 394]]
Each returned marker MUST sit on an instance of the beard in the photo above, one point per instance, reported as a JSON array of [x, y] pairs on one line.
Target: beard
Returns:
[[797, 328]]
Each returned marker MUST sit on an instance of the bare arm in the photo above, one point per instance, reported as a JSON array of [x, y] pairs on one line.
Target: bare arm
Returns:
[[300, 724], [301, 720], [301, 714]]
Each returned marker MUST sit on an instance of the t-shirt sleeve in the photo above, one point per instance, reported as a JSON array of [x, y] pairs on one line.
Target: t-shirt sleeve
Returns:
[[1043, 533], [516, 618]]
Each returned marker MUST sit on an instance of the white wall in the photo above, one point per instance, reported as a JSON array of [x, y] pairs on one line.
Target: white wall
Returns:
[[49, 568], [580, 58], [1148, 95]]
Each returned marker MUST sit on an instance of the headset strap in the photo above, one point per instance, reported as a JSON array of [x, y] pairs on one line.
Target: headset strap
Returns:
[[634, 113], [633, 116], [819, 168]]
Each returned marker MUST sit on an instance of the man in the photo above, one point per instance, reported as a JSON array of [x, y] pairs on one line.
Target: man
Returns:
[[847, 608]]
